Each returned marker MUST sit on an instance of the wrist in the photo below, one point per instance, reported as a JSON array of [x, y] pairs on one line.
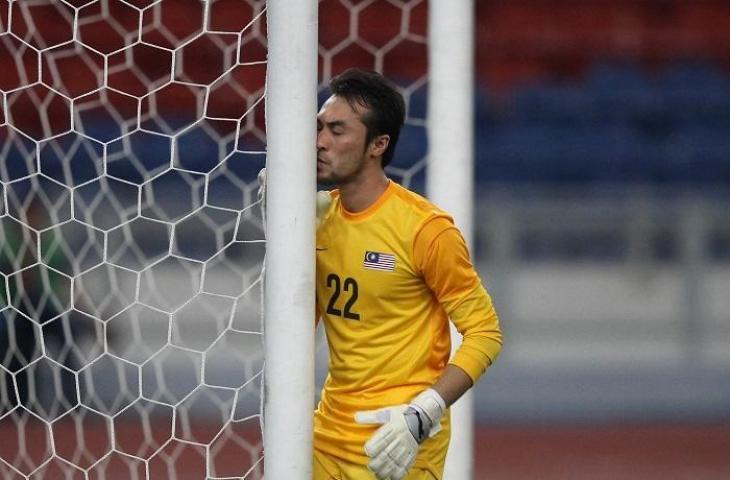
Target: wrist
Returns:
[[431, 402], [427, 409]]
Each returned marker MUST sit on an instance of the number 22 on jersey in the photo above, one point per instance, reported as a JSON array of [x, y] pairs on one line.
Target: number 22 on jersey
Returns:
[[347, 289]]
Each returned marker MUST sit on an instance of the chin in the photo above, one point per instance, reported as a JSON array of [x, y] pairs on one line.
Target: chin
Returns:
[[326, 181]]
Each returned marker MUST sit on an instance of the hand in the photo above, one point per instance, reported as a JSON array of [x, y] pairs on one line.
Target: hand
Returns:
[[323, 198], [394, 446], [323, 205]]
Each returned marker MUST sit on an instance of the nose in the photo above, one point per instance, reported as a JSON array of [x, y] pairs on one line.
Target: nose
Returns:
[[321, 140]]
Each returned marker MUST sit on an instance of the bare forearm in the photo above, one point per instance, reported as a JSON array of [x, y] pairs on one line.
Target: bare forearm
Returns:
[[452, 384]]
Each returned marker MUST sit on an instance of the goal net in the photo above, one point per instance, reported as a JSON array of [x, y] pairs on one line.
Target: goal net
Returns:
[[131, 239]]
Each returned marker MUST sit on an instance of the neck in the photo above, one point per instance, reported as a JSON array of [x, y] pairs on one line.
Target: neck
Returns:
[[361, 192]]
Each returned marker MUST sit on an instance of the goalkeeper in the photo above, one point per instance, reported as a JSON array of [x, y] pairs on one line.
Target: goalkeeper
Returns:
[[391, 270]]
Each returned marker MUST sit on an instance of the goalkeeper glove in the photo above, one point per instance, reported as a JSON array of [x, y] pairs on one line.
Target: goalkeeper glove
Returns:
[[394, 446], [323, 205], [323, 198]]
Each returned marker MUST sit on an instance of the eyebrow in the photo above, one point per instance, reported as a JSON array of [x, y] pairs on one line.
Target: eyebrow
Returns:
[[333, 124]]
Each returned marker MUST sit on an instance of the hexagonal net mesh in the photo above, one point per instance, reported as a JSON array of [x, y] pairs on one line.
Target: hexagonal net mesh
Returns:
[[388, 36], [131, 240]]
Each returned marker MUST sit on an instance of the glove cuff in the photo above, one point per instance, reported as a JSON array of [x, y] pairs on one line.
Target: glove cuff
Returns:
[[432, 404]]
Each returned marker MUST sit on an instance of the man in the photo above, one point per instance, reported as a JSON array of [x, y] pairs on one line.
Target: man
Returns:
[[391, 269]]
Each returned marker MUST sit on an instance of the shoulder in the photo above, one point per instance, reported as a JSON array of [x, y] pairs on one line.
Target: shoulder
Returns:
[[418, 204], [427, 215]]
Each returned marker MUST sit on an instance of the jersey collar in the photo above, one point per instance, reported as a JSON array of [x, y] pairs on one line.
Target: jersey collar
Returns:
[[362, 215]]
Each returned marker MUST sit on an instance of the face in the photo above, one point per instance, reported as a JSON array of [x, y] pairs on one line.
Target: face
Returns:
[[341, 149]]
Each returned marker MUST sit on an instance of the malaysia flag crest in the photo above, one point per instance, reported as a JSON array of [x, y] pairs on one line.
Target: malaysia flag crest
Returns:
[[379, 261]]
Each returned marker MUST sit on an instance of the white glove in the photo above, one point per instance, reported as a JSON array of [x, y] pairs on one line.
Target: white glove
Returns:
[[323, 205], [394, 446], [323, 198]]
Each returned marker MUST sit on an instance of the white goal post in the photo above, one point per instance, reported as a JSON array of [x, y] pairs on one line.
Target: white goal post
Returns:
[[291, 109], [450, 174]]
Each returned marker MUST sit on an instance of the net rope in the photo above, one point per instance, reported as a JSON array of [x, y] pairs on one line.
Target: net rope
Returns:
[[132, 248], [131, 238]]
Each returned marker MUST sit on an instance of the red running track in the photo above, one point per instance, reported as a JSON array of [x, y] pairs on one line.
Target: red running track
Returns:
[[598, 452], [504, 452]]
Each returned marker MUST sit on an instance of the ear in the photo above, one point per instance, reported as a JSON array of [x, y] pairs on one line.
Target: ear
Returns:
[[379, 145]]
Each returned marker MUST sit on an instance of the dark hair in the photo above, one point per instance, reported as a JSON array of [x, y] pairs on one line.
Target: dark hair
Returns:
[[386, 107]]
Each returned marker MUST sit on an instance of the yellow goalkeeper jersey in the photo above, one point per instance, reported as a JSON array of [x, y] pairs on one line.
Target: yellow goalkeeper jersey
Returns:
[[388, 279]]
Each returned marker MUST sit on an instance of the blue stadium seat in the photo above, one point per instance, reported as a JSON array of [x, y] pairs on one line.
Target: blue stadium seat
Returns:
[[621, 125], [486, 112], [696, 94], [622, 93], [412, 146], [700, 155], [554, 105], [417, 102], [558, 154]]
